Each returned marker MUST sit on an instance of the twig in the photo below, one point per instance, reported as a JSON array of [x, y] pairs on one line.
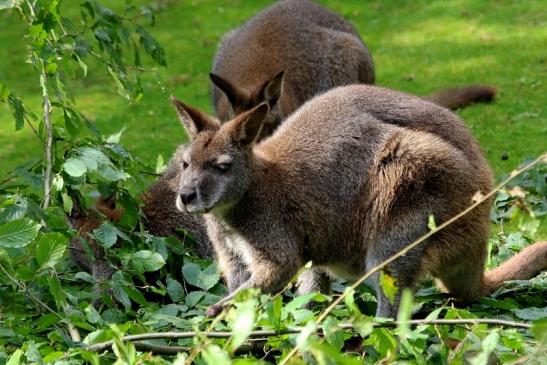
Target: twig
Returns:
[[173, 350], [48, 149], [197, 349], [293, 330], [403, 252], [28, 293]]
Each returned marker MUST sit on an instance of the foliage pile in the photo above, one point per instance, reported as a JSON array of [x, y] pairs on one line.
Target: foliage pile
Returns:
[[159, 285]]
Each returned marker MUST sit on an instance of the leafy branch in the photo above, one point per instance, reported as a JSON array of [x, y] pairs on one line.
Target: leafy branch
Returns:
[[98, 347]]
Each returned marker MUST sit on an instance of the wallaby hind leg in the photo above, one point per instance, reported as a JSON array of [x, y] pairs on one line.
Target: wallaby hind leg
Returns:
[[313, 280], [463, 280], [405, 269]]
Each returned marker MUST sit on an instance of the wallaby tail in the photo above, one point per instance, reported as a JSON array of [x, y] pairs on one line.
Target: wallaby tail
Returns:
[[525, 265], [460, 97]]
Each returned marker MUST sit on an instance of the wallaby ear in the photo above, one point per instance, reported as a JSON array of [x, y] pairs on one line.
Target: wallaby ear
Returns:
[[193, 119], [271, 91], [248, 125], [235, 96]]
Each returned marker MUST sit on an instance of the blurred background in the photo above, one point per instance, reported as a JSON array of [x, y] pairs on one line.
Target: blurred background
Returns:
[[417, 46]]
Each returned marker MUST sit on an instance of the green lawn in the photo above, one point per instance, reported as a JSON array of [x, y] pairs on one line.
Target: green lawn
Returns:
[[417, 46]]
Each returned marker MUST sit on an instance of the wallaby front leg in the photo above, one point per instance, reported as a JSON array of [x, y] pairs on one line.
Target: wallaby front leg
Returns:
[[216, 308], [268, 276]]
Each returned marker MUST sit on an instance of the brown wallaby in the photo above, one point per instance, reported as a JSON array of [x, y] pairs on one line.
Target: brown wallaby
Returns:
[[162, 219], [348, 180], [292, 51]]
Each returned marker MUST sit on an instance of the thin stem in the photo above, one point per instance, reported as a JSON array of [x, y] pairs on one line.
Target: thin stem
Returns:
[[264, 334], [28, 293], [48, 149]]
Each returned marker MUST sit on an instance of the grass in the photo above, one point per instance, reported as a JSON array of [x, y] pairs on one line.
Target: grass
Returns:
[[417, 46]]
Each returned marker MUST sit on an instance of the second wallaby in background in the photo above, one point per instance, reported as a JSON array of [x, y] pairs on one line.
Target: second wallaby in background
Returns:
[[347, 181], [292, 51], [162, 219]]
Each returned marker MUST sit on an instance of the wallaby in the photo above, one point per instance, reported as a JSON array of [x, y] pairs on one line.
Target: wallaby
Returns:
[[346, 181], [292, 51], [162, 219]]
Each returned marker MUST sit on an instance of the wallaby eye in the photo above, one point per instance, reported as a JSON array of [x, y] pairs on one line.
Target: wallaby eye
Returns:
[[184, 165], [222, 167]]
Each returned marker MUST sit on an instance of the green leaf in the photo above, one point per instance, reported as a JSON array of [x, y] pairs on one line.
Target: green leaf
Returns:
[[50, 249], [333, 334], [539, 329], [389, 286], [67, 202], [57, 291], [74, 167], [58, 182], [302, 300], [18, 233], [110, 173], [302, 340], [15, 358], [33, 354], [82, 275], [92, 315], [193, 298], [531, 313], [145, 260], [8, 4], [17, 210], [151, 46], [214, 355], [431, 223], [364, 325], [106, 234], [403, 315], [93, 157], [115, 138], [274, 309], [205, 279], [118, 285], [243, 323], [175, 290], [18, 112], [488, 345]]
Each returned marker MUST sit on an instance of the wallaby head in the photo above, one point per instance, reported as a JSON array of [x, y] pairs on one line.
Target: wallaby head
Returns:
[[215, 166], [241, 100]]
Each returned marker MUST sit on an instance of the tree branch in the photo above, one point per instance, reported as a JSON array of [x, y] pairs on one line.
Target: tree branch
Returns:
[[48, 148], [98, 347]]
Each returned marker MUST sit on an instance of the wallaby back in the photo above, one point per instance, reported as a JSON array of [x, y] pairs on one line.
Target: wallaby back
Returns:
[[294, 50], [349, 179], [316, 49]]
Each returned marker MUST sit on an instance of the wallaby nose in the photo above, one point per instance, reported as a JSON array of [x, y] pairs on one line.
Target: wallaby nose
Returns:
[[188, 196]]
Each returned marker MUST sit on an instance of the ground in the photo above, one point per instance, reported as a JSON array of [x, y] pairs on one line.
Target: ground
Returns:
[[417, 46]]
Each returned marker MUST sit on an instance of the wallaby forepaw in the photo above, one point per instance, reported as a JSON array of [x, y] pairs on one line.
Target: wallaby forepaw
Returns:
[[214, 310]]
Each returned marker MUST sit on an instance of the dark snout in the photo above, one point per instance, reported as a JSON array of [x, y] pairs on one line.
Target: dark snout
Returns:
[[186, 197]]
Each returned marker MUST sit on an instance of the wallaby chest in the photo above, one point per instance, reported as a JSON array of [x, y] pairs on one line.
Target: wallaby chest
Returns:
[[231, 240]]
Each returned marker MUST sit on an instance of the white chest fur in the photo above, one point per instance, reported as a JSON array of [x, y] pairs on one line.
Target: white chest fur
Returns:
[[239, 246]]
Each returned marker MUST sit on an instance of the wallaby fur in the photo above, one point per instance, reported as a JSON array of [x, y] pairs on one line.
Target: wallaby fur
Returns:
[[285, 55], [346, 181], [292, 51], [162, 219]]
